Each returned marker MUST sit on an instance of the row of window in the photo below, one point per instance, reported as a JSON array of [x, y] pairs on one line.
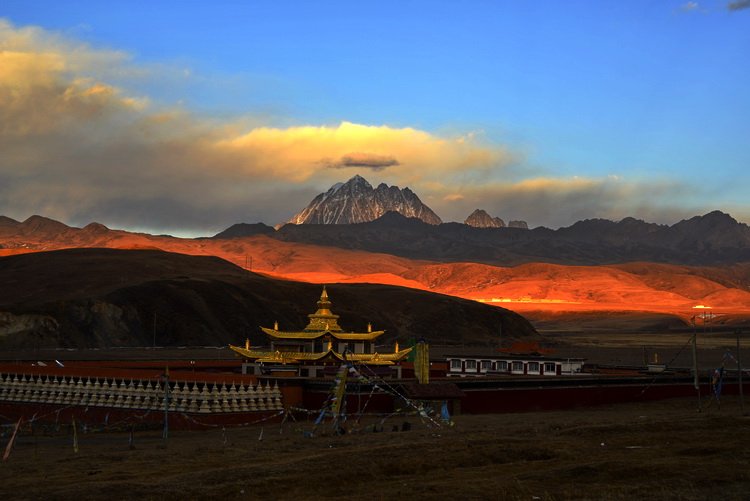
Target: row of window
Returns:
[[501, 365]]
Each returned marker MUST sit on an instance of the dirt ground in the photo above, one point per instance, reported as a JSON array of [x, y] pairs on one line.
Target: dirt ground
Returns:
[[659, 450]]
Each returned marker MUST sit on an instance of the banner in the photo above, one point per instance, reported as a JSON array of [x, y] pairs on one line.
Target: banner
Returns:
[[9, 448]]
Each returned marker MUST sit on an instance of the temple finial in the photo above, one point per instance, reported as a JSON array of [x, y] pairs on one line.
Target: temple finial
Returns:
[[323, 318]]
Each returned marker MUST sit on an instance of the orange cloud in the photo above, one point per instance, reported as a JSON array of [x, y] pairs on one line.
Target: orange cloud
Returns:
[[298, 153]]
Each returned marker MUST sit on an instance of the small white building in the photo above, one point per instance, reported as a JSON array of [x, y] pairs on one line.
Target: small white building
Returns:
[[521, 359]]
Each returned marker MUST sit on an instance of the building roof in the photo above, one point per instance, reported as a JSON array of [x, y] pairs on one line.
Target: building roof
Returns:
[[309, 335], [296, 357], [323, 323]]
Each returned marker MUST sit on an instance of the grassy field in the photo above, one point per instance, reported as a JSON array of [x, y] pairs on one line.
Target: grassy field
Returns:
[[659, 450]]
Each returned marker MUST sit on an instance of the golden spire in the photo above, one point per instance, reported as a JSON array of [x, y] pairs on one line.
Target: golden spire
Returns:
[[323, 319], [369, 327], [247, 344], [396, 351], [324, 305], [275, 326]]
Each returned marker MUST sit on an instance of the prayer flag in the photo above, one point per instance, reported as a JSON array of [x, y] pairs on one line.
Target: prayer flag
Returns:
[[9, 448], [75, 437], [444, 412]]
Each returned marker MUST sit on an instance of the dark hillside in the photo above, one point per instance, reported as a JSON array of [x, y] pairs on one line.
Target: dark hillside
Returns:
[[84, 298]]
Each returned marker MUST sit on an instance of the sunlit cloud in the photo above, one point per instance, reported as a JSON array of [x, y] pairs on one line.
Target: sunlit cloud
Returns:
[[297, 153]]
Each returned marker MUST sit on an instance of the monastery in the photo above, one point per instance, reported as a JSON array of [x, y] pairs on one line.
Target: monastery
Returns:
[[318, 348]]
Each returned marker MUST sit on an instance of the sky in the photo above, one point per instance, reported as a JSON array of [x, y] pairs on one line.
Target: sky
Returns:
[[187, 117]]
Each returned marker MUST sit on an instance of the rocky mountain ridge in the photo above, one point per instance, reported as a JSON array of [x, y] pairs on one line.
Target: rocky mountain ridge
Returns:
[[356, 201], [715, 238], [480, 219]]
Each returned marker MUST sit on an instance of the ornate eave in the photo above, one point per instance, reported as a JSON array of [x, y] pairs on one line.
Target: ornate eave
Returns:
[[294, 357], [312, 335]]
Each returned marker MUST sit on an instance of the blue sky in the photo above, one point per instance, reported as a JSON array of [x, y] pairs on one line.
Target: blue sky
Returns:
[[549, 112]]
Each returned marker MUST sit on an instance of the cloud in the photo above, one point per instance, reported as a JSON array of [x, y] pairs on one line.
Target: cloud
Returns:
[[366, 160], [689, 6], [78, 147], [555, 202], [78, 144], [294, 154], [738, 5]]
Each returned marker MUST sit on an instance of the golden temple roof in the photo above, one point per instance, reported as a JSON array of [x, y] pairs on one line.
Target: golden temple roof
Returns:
[[323, 325], [295, 357], [311, 335]]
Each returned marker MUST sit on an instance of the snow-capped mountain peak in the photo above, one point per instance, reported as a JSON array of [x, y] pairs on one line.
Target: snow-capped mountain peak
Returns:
[[356, 201]]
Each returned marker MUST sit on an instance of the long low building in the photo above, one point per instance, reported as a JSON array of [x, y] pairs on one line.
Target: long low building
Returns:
[[521, 359]]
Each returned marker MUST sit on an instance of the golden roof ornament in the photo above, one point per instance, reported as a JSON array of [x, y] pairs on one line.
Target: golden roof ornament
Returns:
[[323, 319]]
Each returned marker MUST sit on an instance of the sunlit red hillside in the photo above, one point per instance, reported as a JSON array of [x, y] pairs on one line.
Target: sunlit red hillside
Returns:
[[528, 288]]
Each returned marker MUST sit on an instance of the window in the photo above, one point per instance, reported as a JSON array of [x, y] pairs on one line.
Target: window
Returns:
[[486, 365], [533, 366], [517, 366], [550, 369], [502, 365], [455, 364], [471, 365]]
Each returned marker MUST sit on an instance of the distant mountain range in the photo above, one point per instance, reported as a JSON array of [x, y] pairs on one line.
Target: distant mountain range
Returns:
[[356, 201], [711, 239]]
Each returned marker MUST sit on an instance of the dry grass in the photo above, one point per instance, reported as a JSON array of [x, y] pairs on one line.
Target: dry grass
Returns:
[[660, 450]]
